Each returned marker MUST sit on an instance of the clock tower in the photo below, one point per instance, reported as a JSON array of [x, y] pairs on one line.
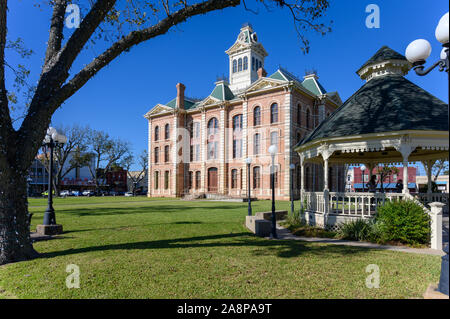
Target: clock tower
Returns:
[[246, 56]]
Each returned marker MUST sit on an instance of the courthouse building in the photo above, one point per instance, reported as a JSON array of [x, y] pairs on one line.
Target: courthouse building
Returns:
[[198, 147]]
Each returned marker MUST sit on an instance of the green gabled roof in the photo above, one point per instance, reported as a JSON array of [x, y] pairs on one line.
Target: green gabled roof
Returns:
[[384, 104], [222, 92], [283, 75], [383, 54], [313, 86], [188, 104]]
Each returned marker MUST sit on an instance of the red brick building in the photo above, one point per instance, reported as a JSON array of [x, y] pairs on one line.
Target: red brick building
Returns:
[[199, 146], [389, 182]]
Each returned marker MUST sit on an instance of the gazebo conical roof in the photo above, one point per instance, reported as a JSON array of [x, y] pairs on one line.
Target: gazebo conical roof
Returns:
[[384, 104], [387, 120]]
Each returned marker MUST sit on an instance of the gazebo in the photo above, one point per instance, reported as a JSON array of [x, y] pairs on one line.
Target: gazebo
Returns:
[[389, 120]]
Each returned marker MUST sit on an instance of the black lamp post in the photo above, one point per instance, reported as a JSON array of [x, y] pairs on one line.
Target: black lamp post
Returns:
[[273, 150], [248, 161], [49, 226], [29, 180], [417, 52], [292, 167]]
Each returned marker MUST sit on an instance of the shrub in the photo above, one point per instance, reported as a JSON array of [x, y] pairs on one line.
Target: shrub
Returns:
[[359, 229], [403, 221], [297, 218]]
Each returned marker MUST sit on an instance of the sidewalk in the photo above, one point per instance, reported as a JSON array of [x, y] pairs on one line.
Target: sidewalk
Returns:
[[284, 234]]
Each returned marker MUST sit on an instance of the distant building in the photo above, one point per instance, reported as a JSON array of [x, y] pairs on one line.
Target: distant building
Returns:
[[116, 179], [141, 185], [442, 183], [354, 182]]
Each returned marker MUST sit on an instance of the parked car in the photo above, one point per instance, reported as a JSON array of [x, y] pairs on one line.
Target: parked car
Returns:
[[64, 193], [88, 193], [75, 193], [128, 194], [113, 193]]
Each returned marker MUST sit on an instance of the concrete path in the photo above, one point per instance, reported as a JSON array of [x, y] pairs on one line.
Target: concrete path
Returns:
[[284, 234]]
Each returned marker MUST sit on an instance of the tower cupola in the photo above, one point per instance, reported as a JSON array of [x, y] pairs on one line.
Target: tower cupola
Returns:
[[246, 56]]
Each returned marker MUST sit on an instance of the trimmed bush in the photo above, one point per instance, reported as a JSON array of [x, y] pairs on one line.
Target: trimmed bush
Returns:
[[403, 221], [359, 229]]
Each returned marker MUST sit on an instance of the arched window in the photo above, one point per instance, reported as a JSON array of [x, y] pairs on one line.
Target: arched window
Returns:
[[274, 113], [156, 154], [259, 64], [237, 136], [245, 63], [197, 179], [240, 64], [256, 177], [234, 66], [308, 118], [167, 131], [275, 177], [256, 144], [156, 180], [213, 143], [166, 179], [253, 64], [166, 153], [234, 178], [156, 133], [274, 138], [213, 126], [191, 182], [299, 115], [257, 116]]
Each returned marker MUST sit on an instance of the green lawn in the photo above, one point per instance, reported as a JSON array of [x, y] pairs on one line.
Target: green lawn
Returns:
[[160, 248]]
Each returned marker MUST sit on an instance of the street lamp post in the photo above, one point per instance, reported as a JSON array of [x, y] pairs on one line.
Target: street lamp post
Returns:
[[49, 226], [363, 168], [29, 180], [292, 167], [248, 161], [273, 150], [417, 52]]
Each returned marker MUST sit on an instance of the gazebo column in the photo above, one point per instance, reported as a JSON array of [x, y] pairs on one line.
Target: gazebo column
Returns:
[[302, 178], [326, 153], [405, 149]]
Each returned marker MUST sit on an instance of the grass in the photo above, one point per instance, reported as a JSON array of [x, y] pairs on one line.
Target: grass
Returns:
[[310, 231], [154, 248]]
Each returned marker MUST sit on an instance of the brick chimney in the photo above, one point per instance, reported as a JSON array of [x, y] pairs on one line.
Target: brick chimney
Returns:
[[180, 95], [261, 73]]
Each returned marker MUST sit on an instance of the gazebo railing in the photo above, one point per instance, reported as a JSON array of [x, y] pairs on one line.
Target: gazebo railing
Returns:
[[426, 198], [360, 204], [349, 203]]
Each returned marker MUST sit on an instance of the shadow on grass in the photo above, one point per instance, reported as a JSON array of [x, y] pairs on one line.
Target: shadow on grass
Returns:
[[131, 226], [112, 211], [263, 247]]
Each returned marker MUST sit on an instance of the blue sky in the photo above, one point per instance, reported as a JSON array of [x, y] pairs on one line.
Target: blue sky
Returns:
[[193, 53]]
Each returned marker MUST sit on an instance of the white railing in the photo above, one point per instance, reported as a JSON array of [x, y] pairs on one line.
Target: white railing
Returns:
[[426, 198], [350, 204]]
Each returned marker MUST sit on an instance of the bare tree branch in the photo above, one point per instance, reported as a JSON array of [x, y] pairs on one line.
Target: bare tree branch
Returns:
[[56, 30]]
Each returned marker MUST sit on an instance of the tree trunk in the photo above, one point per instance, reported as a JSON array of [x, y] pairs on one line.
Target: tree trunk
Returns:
[[15, 241]]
